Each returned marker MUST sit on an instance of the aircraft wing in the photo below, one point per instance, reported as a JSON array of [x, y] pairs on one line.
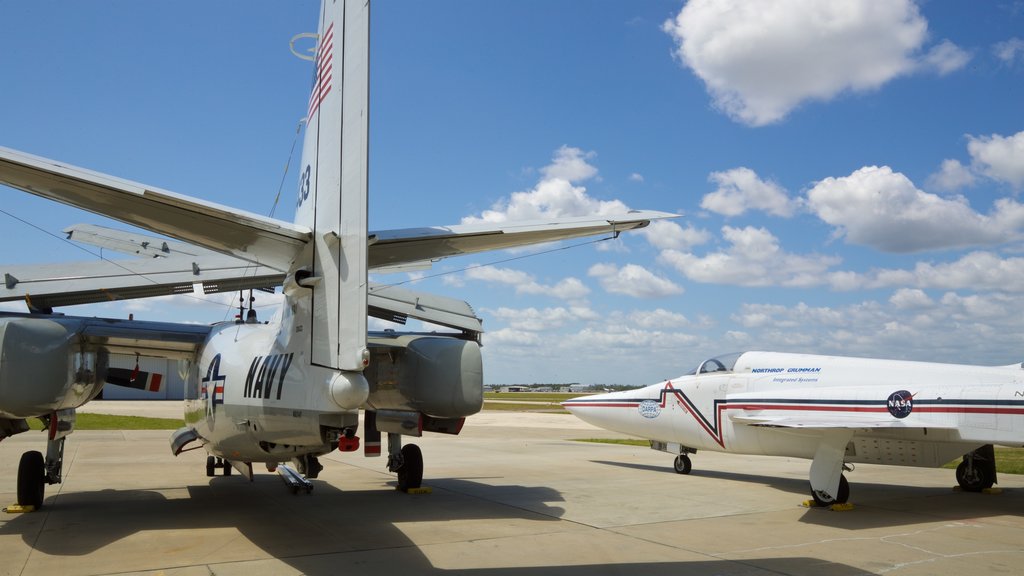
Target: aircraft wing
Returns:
[[390, 248], [154, 339], [250, 237]]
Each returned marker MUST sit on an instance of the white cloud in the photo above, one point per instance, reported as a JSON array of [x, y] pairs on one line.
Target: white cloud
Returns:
[[1009, 51], [658, 318], [534, 320], [754, 258], [740, 190], [759, 60], [906, 298], [952, 176], [555, 195], [633, 280], [665, 234], [883, 209], [999, 157], [636, 177], [982, 271], [524, 283], [946, 58]]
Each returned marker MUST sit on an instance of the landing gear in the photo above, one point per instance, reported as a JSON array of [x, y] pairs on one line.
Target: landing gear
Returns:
[[31, 479], [213, 463], [822, 499], [977, 471], [308, 465], [36, 471], [406, 461], [682, 464]]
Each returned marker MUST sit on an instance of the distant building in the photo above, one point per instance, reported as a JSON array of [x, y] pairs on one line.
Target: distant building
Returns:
[[173, 387]]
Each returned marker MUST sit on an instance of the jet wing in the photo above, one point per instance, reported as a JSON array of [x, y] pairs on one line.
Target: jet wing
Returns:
[[154, 339], [411, 245], [258, 239]]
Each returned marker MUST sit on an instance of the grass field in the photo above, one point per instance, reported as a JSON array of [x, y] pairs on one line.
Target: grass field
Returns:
[[86, 421]]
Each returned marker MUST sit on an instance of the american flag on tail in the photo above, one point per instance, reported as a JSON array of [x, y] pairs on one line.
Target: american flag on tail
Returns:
[[322, 82]]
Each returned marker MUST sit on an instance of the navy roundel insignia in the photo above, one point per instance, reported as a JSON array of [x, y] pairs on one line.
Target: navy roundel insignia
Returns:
[[900, 404]]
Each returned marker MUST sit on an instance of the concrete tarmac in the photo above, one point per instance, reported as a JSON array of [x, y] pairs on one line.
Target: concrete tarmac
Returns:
[[514, 494]]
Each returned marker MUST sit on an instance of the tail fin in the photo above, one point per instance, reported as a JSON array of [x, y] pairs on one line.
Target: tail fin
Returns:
[[333, 184]]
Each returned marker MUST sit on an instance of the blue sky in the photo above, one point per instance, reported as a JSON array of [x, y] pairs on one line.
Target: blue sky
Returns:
[[847, 175]]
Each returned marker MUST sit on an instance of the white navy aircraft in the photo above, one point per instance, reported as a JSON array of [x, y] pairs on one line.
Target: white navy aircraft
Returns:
[[832, 410], [283, 391]]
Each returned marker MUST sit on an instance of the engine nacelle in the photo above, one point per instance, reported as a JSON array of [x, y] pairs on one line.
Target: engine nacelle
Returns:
[[45, 367], [438, 376]]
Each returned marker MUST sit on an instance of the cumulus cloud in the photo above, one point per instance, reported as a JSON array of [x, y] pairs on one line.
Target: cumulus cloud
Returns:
[[1009, 51], [951, 177], [555, 195], [753, 258], [633, 280], [946, 58], [537, 320], [883, 209], [524, 283], [760, 60], [999, 157], [979, 270], [740, 189], [665, 235], [636, 177]]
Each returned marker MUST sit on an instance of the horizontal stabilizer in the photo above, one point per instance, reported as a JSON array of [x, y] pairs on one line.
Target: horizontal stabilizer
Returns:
[[390, 248], [248, 236]]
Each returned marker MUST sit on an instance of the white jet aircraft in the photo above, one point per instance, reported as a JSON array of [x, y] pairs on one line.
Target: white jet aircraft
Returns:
[[288, 390], [832, 410]]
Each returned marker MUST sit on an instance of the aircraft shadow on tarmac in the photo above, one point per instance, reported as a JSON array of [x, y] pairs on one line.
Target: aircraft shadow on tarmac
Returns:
[[876, 505], [333, 531]]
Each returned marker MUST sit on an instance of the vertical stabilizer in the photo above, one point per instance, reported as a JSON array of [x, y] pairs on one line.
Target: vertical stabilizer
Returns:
[[333, 184]]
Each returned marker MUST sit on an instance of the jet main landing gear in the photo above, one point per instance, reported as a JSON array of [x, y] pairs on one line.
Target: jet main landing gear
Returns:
[[406, 461], [35, 471], [977, 471]]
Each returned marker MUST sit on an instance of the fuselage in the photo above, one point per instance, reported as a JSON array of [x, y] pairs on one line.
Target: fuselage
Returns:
[[909, 413]]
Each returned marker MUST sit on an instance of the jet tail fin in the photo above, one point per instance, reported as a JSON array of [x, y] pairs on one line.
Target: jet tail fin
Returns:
[[333, 185]]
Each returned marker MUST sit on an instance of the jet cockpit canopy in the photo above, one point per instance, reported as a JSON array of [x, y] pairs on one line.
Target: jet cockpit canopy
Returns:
[[723, 363]]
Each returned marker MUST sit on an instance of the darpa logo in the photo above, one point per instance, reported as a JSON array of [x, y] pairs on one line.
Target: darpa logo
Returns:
[[900, 404], [649, 408]]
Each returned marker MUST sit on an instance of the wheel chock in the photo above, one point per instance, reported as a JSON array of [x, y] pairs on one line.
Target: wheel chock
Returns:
[[420, 490], [19, 509], [992, 490], [834, 507]]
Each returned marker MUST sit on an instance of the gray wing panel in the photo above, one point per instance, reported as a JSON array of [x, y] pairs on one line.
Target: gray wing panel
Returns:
[[241, 234], [395, 247]]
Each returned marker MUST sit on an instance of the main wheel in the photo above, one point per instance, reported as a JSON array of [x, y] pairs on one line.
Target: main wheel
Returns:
[[410, 475], [211, 463], [841, 498], [973, 478], [31, 479], [682, 464], [227, 467]]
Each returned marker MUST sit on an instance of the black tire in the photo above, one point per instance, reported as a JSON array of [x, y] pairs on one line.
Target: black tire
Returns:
[[410, 475], [211, 464], [31, 479], [974, 480], [227, 467], [682, 464], [841, 498]]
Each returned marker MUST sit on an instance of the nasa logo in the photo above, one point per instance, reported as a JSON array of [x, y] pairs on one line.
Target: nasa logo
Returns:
[[900, 404], [649, 408]]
